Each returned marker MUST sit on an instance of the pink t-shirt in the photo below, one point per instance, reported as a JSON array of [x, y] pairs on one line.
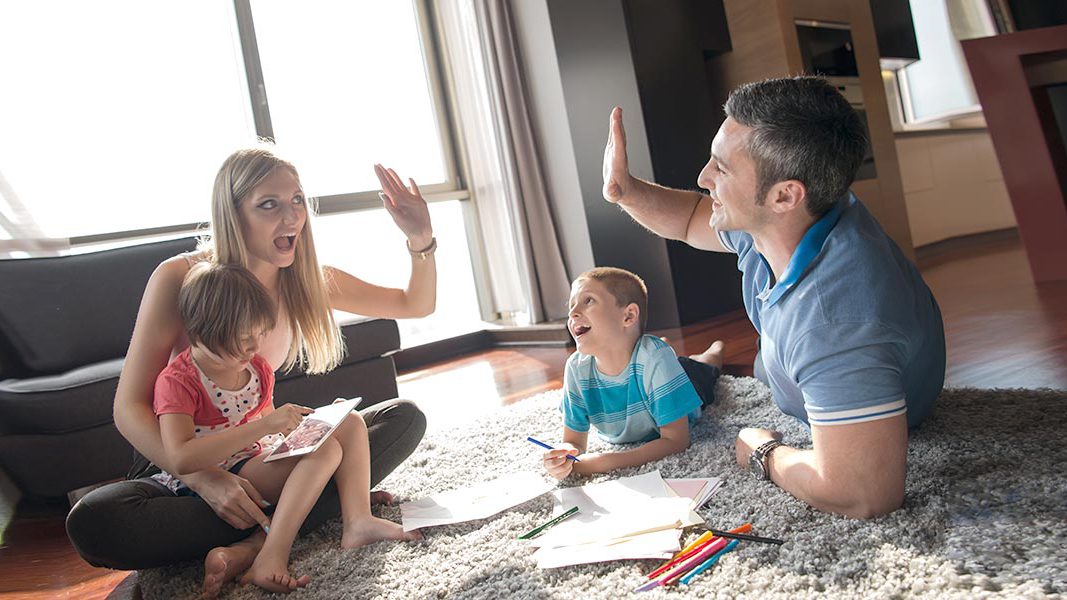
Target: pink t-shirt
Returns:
[[182, 388]]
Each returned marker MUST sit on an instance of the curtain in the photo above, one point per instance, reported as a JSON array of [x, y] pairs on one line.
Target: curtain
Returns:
[[525, 263]]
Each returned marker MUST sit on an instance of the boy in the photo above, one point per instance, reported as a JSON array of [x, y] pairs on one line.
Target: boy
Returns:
[[628, 385]]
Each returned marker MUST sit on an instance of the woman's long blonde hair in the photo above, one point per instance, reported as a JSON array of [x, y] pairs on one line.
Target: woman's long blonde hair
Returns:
[[317, 345]]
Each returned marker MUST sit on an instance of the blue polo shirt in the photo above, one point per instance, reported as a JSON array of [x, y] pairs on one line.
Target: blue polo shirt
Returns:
[[851, 332]]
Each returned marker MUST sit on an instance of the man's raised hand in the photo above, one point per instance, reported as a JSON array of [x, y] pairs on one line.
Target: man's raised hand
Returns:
[[616, 166]]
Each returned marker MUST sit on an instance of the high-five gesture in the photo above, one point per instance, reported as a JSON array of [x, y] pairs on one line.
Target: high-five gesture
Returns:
[[406, 206], [616, 167]]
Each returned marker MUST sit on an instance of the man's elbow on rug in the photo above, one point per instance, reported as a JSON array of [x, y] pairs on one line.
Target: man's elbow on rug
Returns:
[[864, 500]]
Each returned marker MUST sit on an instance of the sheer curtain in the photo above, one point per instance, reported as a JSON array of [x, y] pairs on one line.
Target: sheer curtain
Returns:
[[526, 269]]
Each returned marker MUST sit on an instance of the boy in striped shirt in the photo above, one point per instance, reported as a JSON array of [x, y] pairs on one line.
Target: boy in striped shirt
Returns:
[[630, 386]]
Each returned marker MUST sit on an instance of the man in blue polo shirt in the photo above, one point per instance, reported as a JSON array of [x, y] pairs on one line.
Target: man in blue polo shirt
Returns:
[[851, 338]]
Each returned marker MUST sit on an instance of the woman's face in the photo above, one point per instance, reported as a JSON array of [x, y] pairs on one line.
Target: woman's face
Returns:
[[272, 219]]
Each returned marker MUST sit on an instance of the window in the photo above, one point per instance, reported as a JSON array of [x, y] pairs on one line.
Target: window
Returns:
[[114, 132], [938, 86], [120, 125]]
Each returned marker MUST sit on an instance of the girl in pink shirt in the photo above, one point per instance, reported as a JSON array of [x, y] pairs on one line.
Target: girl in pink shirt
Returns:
[[215, 408]]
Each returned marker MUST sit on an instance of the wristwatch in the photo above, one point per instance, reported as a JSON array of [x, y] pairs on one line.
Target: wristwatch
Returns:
[[757, 461]]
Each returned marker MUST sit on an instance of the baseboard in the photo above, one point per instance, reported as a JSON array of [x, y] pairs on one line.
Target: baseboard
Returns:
[[928, 253], [547, 335]]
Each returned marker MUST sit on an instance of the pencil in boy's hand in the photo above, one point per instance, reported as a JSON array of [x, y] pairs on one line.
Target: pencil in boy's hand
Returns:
[[547, 447]]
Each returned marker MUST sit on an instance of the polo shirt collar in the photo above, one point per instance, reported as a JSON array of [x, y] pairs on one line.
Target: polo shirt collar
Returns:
[[809, 247]]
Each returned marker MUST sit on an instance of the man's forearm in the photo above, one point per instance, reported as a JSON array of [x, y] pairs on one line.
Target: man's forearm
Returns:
[[663, 211], [797, 472]]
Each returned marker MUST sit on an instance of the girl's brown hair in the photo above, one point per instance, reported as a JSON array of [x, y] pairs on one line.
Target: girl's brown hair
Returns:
[[219, 304]]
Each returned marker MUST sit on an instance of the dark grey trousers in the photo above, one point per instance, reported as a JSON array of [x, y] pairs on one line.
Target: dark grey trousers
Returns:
[[138, 524]]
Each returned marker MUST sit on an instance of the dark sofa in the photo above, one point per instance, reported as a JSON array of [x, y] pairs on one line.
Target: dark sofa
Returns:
[[65, 324]]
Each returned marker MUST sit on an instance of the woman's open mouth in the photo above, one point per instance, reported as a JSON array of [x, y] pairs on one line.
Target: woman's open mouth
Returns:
[[285, 243]]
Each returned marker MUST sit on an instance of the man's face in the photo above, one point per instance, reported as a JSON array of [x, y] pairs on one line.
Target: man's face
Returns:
[[730, 178]]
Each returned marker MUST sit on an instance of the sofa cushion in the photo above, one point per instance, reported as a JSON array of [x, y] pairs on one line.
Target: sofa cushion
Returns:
[[83, 397], [65, 312], [72, 401]]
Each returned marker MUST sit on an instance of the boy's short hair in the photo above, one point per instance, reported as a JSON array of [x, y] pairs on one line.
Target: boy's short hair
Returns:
[[624, 286], [220, 303]]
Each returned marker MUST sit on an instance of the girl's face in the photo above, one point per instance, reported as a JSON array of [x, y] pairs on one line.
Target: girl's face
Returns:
[[272, 219], [248, 346]]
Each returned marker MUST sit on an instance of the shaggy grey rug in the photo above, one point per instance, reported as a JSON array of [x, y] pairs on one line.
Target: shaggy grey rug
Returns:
[[985, 515]]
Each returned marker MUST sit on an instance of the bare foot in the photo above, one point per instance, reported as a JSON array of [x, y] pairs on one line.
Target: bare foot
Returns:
[[371, 529], [381, 497], [225, 563], [273, 575], [712, 356]]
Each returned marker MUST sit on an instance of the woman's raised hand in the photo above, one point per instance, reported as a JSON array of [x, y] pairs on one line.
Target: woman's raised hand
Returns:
[[406, 206]]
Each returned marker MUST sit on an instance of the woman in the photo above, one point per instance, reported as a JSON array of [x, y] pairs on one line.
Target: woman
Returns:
[[259, 216]]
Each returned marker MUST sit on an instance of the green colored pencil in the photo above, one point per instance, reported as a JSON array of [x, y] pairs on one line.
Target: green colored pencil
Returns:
[[536, 530]]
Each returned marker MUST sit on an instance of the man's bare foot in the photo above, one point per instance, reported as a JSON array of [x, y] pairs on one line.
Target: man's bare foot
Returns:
[[225, 563], [273, 575], [371, 529], [381, 497], [712, 356]]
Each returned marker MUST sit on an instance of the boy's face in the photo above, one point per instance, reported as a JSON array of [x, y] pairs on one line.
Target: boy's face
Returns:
[[595, 319]]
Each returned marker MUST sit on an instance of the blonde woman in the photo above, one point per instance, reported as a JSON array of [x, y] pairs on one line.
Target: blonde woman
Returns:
[[260, 222]]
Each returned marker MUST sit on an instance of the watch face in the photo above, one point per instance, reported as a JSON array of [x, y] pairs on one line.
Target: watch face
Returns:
[[756, 466]]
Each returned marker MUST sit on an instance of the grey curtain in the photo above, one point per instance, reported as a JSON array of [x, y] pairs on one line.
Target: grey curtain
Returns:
[[504, 162]]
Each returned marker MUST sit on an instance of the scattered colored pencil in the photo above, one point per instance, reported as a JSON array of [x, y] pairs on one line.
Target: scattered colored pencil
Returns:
[[694, 547], [747, 538], [537, 530], [700, 555], [704, 566]]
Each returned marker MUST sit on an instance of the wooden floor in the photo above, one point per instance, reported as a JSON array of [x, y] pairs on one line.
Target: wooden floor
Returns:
[[1002, 331]]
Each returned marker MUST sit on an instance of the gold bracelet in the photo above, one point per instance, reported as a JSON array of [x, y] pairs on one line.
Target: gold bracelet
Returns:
[[425, 252]]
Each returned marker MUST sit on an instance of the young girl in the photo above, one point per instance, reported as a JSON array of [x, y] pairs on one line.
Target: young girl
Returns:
[[215, 408]]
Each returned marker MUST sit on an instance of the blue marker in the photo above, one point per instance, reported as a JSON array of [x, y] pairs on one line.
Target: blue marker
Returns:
[[547, 447]]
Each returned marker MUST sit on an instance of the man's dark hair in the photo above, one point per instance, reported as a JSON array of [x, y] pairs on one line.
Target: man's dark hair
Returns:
[[803, 129]]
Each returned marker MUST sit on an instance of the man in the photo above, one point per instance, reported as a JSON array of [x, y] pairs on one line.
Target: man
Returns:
[[851, 338]]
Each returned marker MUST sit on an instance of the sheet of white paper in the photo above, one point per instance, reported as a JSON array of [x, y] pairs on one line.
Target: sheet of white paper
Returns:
[[475, 502], [620, 507], [638, 516], [659, 545]]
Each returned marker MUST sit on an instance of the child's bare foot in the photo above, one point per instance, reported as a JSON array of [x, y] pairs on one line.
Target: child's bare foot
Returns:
[[273, 575], [225, 563], [381, 497], [371, 529], [712, 356]]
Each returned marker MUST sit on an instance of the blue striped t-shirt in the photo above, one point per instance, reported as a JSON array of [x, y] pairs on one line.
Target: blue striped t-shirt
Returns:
[[630, 407]]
